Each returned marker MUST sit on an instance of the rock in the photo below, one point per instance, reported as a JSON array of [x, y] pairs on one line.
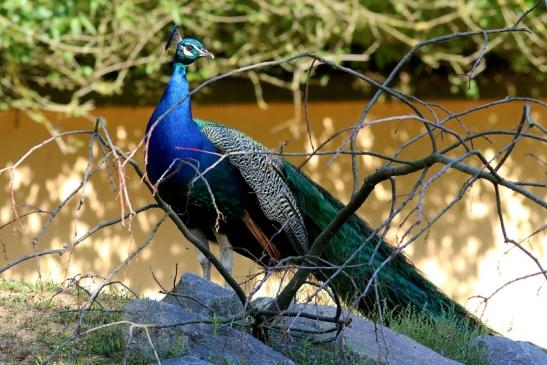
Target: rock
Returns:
[[367, 339], [197, 295], [212, 331], [185, 360], [168, 342], [196, 336], [230, 346], [501, 350]]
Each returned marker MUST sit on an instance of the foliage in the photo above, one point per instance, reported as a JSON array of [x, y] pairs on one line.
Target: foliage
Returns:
[[58, 55], [446, 335]]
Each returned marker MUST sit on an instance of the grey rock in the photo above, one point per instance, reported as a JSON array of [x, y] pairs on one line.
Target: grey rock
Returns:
[[195, 336], [367, 339], [503, 351], [230, 346], [185, 360], [169, 341], [198, 295], [209, 314]]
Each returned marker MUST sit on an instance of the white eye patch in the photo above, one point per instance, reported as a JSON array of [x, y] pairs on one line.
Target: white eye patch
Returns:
[[186, 50]]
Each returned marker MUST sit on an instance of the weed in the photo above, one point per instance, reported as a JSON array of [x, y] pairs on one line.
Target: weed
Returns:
[[446, 335]]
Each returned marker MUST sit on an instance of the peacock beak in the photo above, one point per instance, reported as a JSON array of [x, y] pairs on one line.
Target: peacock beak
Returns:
[[205, 53]]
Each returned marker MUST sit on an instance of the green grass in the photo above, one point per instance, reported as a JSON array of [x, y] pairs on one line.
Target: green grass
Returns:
[[103, 346], [23, 286], [36, 319], [446, 335]]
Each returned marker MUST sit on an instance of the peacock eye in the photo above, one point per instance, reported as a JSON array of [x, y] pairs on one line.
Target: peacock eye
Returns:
[[186, 49]]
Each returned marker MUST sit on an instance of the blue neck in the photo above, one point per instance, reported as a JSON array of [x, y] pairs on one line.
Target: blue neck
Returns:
[[176, 136], [175, 100]]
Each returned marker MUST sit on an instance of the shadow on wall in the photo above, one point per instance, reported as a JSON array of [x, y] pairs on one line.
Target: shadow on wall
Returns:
[[453, 253]]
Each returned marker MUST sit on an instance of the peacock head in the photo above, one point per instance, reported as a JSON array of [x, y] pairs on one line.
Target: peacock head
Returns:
[[188, 50]]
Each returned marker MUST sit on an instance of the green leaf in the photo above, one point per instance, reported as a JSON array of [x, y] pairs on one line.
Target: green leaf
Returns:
[[472, 89], [75, 26]]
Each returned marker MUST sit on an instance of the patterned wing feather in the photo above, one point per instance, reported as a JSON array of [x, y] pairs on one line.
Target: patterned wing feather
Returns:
[[260, 169]]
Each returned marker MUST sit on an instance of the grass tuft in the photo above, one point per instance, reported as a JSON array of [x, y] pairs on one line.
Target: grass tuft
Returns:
[[446, 335]]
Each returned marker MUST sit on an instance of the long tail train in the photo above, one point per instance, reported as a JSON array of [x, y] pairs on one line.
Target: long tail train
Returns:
[[399, 283]]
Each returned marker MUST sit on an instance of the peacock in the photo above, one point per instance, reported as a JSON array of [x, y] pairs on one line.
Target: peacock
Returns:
[[231, 190]]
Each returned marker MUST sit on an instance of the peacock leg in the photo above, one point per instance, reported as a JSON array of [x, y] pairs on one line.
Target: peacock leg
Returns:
[[226, 252], [203, 261]]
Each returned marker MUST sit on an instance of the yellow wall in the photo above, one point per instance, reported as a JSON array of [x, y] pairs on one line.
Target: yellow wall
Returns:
[[464, 253]]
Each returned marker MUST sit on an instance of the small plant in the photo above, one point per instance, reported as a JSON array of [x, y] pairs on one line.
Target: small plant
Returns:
[[215, 324], [445, 335]]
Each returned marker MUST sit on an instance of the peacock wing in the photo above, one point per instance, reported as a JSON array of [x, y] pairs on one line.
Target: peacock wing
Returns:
[[262, 171]]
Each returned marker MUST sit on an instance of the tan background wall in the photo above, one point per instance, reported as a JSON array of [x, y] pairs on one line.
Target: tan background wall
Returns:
[[464, 253]]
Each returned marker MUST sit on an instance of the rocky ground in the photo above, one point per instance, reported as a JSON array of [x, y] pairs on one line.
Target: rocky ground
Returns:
[[202, 323], [206, 326]]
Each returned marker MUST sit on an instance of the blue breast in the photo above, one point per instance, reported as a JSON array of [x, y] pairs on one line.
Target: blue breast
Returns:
[[176, 143], [178, 151]]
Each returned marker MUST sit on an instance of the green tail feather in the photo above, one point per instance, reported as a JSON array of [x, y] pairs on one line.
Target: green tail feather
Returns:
[[399, 283]]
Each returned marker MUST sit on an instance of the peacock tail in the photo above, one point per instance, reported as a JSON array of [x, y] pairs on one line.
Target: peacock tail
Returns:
[[399, 283]]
